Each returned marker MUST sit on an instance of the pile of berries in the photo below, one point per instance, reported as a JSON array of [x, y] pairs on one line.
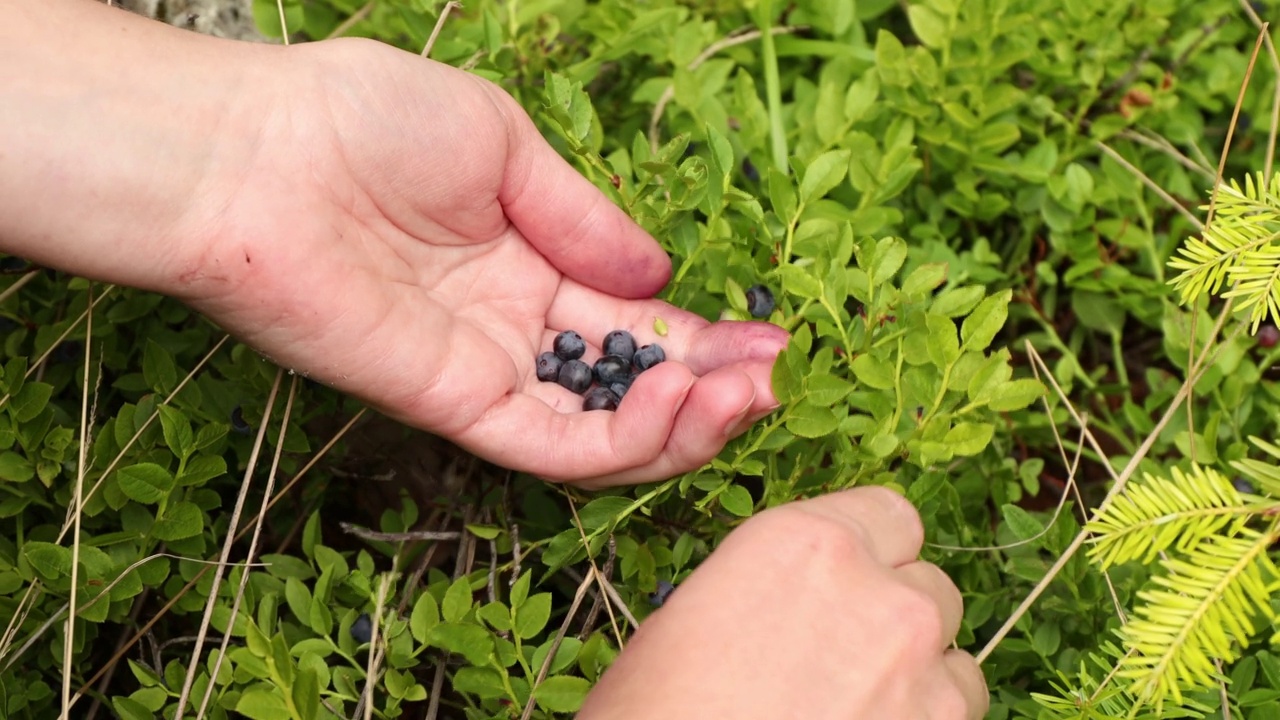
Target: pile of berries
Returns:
[[602, 385]]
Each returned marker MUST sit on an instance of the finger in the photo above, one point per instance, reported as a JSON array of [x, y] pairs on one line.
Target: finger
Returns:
[[934, 583], [716, 405], [887, 521], [521, 432], [691, 339], [569, 220], [964, 672]]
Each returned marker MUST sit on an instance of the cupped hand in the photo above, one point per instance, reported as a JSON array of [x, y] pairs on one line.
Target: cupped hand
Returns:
[[401, 231], [817, 610]]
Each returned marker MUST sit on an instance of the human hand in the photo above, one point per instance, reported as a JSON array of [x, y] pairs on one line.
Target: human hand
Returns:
[[401, 231], [815, 610]]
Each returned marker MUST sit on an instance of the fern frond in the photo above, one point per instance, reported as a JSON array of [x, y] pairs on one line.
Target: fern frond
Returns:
[[1154, 514], [1203, 608], [1240, 246]]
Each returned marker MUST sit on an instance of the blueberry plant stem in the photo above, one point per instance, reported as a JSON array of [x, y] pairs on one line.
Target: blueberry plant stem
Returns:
[[772, 85]]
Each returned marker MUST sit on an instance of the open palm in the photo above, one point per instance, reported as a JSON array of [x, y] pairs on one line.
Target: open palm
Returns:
[[402, 232]]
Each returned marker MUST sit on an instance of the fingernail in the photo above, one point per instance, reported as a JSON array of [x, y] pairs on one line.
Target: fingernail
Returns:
[[730, 428], [683, 394]]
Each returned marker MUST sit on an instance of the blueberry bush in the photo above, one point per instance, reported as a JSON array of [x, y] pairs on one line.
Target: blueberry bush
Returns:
[[984, 224]]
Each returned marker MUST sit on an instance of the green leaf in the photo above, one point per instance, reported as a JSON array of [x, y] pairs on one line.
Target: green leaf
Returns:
[[1020, 522], [532, 616], [51, 561], [15, 468], [306, 693], [968, 438], [262, 704], [481, 681], [457, 600], [928, 25], [827, 390], [811, 421], [471, 641], [425, 615], [925, 279], [202, 468], [130, 709], [1016, 395], [146, 483], [562, 693], [943, 342], [30, 401], [873, 372], [958, 301], [158, 370], [797, 281], [824, 174], [484, 532], [981, 326], [737, 500], [180, 520], [782, 195], [177, 431]]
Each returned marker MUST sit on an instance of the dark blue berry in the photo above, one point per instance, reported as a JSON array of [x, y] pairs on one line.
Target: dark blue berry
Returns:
[[662, 593], [749, 170], [648, 356], [759, 301], [10, 264], [569, 345], [238, 423], [611, 369], [598, 398], [1243, 486], [620, 343], [575, 375], [362, 629], [620, 388], [549, 367]]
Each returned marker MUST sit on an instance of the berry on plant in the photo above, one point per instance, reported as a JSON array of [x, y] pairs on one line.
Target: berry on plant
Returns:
[[362, 629], [568, 345], [620, 343], [238, 424], [759, 301], [648, 356], [1268, 336], [598, 398], [1243, 486], [611, 369], [662, 593], [549, 367], [575, 375]]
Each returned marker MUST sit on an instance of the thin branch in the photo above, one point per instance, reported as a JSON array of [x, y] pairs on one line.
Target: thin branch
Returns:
[[435, 31], [409, 536], [1151, 184], [352, 21], [1275, 99]]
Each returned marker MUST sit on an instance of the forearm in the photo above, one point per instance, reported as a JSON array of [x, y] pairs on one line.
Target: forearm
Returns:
[[113, 131]]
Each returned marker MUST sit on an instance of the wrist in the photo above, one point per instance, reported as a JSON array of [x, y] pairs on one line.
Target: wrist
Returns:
[[117, 131]]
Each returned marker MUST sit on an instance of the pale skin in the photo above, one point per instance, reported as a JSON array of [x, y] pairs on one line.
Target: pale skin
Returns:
[[399, 230]]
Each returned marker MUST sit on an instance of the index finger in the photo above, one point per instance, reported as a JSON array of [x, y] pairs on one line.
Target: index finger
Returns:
[[885, 520]]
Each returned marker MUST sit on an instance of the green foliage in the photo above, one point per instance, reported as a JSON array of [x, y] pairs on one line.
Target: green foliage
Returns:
[[925, 190]]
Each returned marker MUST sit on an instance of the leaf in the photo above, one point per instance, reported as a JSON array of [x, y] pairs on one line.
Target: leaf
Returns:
[[30, 401], [981, 326], [943, 343], [1020, 522], [180, 520], [1016, 395], [51, 561], [782, 195], [737, 500], [484, 532], [425, 615], [561, 693], [457, 600], [924, 279], [177, 431], [481, 681], [824, 174], [262, 704], [930, 27], [811, 421], [158, 369], [957, 302], [146, 483], [797, 281], [968, 438], [827, 390], [306, 693], [532, 616], [471, 641], [130, 709], [15, 468], [873, 372]]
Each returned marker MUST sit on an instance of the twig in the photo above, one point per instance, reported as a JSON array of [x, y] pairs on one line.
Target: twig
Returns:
[[555, 644], [1155, 187], [1163, 145], [1275, 100], [737, 39], [351, 22], [17, 285], [459, 569], [435, 31], [408, 536], [589, 623]]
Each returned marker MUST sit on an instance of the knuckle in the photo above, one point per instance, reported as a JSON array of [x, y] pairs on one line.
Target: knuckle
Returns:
[[814, 538], [921, 621]]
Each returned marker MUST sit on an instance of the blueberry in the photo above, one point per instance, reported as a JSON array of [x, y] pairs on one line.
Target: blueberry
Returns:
[[620, 343], [238, 423], [1268, 336], [575, 375], [749, 170], [549, 367], [648, 356], [759, 301], [662, 593], [1243, 486], [569, 345], [10, 264], [362, 629], [611, 369], [598, 398], [620, 388]]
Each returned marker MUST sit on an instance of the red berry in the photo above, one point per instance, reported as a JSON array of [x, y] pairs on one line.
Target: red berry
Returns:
[[1268, 335]]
